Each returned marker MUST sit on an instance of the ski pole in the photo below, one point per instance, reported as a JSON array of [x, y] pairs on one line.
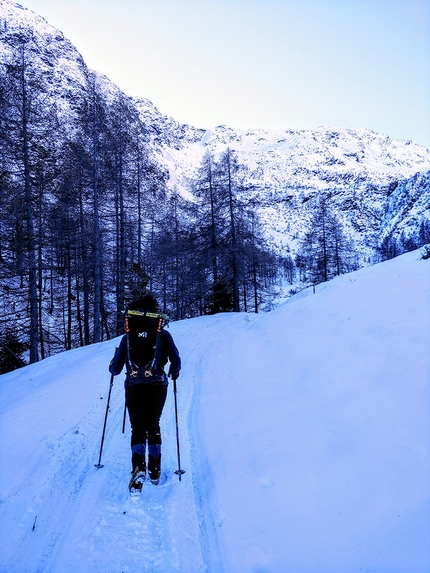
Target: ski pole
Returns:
[[179, 471], [125, 412], [99, 465]]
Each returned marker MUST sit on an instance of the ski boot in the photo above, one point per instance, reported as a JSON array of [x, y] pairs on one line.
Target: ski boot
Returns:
[[154, 468], [138, 474]]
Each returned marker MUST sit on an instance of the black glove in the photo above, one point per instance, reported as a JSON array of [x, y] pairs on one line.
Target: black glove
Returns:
[[111, 362], [173, 375]]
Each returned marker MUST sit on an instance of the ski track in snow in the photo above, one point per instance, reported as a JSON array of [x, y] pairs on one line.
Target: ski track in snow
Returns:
[[168, 527], [201, 466]]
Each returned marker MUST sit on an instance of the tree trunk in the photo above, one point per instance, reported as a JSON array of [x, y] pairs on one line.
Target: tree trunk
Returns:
[[97, 234], [236, 306], [31, 242]]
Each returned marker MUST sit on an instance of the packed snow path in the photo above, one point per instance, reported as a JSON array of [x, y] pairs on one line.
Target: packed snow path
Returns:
[[304, 436], [62, 514]]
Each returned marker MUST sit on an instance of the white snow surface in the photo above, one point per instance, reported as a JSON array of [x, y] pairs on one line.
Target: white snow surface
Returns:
[[305, 437]]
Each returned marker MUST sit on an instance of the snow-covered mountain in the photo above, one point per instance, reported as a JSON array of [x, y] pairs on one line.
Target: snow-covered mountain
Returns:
[[324, 158], [358, 168], [304, 434], [61, 68], [377, 185], [62, 73]]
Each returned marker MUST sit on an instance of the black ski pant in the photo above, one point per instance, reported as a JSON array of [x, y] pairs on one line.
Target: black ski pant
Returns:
[[145, 403]]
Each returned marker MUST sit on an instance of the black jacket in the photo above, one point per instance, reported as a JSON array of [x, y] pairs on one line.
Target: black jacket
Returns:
[[168, 351]]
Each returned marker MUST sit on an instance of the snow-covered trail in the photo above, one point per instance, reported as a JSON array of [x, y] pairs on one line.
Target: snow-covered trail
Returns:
[[61, 514]]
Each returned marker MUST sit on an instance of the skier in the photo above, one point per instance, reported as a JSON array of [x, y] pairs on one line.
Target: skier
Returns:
[[145, 401]]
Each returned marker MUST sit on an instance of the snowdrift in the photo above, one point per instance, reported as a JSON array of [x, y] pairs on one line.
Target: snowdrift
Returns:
[[304, 435]]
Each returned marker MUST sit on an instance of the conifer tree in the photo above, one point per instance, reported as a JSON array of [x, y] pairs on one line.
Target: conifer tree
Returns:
[[25, 125], [324, 251]]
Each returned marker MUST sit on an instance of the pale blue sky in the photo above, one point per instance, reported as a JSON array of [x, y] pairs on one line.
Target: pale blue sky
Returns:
[[276, 64]]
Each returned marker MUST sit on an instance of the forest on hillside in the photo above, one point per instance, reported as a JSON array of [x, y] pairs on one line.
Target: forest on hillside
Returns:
[[88, 222]]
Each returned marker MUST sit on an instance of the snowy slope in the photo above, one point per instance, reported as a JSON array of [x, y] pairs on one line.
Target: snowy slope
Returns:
[[305, 436]]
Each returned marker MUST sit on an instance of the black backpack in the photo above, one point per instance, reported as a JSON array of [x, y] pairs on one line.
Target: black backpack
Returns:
[[143, 331]]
